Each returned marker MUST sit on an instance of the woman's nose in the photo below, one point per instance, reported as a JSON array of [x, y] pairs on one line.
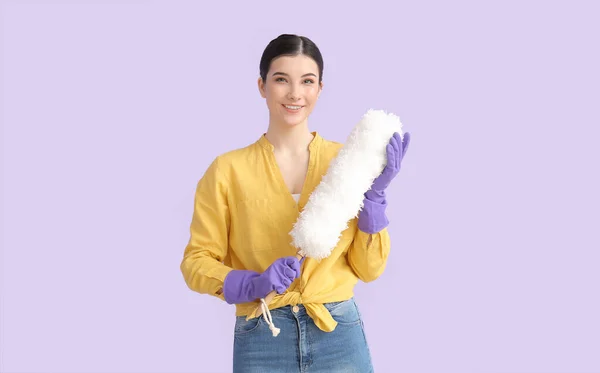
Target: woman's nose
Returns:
[[293, 93]]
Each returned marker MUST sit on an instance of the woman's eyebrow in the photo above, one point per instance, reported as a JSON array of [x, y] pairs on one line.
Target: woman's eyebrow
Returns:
[[284, 74]]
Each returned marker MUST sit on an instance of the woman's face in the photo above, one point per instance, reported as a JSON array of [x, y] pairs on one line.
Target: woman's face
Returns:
[[291, 89]]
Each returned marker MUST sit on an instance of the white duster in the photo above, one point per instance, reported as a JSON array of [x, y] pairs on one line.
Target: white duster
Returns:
[[339, 196]]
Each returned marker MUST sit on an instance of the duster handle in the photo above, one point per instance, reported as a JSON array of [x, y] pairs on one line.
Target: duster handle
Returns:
[[269, 297]]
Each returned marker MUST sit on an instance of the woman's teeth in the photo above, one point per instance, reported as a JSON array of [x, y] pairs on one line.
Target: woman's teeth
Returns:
[[292, 109]]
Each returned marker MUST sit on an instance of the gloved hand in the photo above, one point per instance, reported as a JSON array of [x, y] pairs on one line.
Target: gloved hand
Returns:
[[241, 286], [372, 218]]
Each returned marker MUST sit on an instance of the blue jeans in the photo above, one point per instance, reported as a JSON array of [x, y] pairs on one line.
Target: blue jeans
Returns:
[[301, 346]]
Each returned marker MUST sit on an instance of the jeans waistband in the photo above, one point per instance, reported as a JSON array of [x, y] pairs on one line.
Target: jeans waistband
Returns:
[[299, 310]]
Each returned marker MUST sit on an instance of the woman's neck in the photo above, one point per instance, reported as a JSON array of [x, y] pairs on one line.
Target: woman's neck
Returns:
[[289, 140]]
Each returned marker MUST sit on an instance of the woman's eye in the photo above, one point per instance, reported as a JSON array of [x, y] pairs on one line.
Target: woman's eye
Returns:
[[278, 79], [309, 80]]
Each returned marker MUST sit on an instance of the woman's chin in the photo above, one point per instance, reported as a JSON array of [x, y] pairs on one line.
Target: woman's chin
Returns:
[[294, 120]]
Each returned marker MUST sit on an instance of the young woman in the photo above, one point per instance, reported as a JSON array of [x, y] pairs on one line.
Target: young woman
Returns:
[[245, 206]]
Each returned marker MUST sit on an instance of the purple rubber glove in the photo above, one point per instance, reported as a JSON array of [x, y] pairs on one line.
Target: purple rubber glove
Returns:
[[241, 286], [372, 218]]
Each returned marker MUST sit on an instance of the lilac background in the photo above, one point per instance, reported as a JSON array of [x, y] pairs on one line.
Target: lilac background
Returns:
[[107, 109]]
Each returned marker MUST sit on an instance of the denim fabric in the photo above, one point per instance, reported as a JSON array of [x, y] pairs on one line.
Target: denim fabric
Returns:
[[302, 346]]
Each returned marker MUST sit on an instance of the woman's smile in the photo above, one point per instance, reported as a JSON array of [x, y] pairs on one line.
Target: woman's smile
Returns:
[[292, 108]]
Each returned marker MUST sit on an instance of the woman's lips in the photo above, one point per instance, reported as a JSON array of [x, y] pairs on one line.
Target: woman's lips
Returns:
[[293, 111]]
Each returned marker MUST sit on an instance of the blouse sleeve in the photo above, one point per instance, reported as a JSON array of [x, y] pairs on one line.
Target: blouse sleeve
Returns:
[[368, 254], [202, 265]]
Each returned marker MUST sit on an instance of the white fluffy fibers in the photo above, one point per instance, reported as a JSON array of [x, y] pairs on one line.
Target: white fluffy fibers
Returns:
[[339, 196]]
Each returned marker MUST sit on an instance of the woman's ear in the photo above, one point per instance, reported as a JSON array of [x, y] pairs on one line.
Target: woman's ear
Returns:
[[320, 88], [261, 87]]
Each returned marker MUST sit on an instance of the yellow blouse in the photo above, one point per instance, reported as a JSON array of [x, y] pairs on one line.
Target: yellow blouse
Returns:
[[243, 213]]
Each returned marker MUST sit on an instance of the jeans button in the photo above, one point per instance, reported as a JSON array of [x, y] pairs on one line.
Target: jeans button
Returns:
[[295, 309]]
